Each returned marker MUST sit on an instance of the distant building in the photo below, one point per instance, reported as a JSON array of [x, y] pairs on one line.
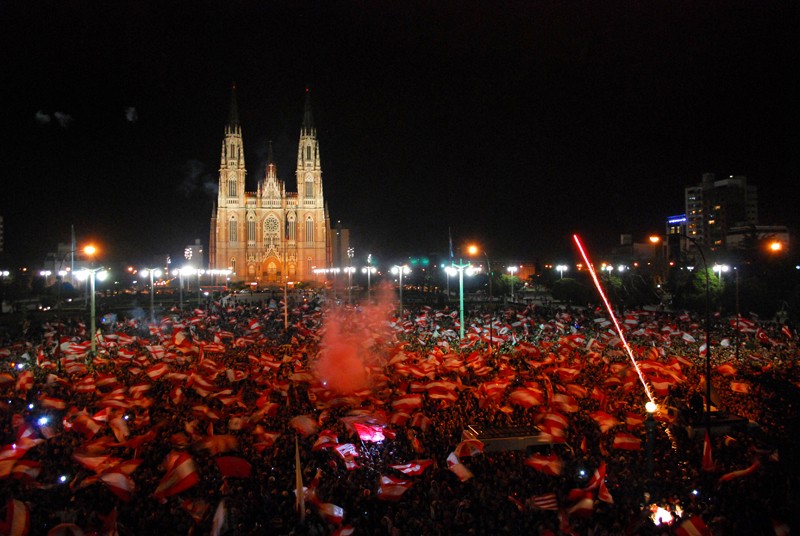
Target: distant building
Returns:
[[194, 255], [341, 250], [270, 235], [714, 207]]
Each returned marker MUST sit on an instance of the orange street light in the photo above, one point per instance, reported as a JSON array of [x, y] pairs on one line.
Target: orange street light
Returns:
[[775, 246], [654, 239], [90, 250]]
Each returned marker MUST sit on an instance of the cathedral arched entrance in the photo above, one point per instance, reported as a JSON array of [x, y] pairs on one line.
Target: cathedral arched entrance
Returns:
[[271, 271]]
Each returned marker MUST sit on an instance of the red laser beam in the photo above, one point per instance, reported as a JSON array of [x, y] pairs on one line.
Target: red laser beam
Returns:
[[613, 317]]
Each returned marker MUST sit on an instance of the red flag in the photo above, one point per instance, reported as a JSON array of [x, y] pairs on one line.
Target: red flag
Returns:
[[694, 526], [549, 464], [548, 501], [391, 488], [625, 441], [369, 432], [233, 466], [18, 519], [119, 484], [181, 475], [458, 468], [414, 467], [740, 473], [708, 462], [469, 447]]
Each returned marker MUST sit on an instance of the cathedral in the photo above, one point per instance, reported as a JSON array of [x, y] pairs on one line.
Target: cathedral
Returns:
[[270, 236]]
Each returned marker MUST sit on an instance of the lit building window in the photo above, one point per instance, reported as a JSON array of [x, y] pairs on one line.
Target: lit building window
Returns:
[[251, 230], [271, 231], [231, 187], [309, 187]]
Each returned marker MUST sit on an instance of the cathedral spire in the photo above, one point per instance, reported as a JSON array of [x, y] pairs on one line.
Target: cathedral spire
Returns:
[[233, 118], [308, 119]]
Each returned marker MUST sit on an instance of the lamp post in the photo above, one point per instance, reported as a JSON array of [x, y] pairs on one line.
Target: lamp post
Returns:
[[180, 273], [650, 428], [369, 270], [400, 270], [92, 274], [708, 333], [452, 270], [349, 270], [512, 270], [474, 250], [152, 272], [561, 269]]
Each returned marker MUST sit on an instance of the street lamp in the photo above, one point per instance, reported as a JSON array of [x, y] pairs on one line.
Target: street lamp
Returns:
[[180, 272], [151, 272], [451, 270], [650, 428], [92, 274], [561, 269], [369, 270], [512, 270], [474, 250], [400, 270], [720, 268], [708, 333], [349, 270]]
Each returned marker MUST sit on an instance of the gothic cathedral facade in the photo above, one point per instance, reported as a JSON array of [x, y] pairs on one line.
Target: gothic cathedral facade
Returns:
[[270, 236]]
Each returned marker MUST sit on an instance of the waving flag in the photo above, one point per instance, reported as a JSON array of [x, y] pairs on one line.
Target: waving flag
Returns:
[[369, 432], [625, 441], [391, 488], [549, 464], [181, 475], [694, 526], [413, 468], [460, 470]]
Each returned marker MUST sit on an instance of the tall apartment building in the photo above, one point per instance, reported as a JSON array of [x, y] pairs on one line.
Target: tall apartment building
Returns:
[[714, 207]]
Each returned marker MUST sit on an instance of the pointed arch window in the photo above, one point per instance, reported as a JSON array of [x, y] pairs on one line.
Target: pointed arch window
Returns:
[[232, 186], [309, 187], [292, 234], [308, 152], [309, 230], [233, 235], [233, 266], [251, 230]]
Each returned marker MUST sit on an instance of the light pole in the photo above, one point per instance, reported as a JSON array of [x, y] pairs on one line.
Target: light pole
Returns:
[[512, 270], [561, 269], [650, 428], [452, 270], [349, 270], [369, 270], [152, 272], [180, 273], [400, 270], [708, 332], [474, 250], [92, 274]]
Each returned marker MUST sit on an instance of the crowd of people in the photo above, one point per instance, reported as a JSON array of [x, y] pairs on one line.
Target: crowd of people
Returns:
[[238, 419]]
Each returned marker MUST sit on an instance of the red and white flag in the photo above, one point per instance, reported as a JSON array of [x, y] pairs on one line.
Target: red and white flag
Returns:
[[369, 432], [413, 468], [181, 475], [18, 519], [548, 501], [391, 488], [625, 441], [694, 526], [740, 473], [549, 464], [233, 466], [458, 468]]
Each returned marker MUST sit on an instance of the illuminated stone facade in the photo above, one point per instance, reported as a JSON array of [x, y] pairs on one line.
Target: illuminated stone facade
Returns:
[[270, 234]]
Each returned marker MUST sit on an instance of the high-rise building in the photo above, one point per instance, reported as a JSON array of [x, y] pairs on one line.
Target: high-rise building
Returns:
[[714, 207], [270, 235]]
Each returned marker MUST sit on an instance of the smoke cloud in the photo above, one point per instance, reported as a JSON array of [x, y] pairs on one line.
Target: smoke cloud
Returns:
[[197, 178], [63, 119], [351, 344], [131, 115], [42, 118]]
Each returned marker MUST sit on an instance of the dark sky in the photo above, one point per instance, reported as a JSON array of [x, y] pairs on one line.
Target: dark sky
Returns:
[[511, 123]]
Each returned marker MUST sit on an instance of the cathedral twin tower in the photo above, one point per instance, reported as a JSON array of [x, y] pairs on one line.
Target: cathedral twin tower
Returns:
[[270, 236]]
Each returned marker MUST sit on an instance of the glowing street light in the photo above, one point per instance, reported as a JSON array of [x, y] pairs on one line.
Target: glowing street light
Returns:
[[151, 272], [369, 270], [400, 271], [349, 270], [92, 274], [720, 268], [561, 269], [180, 272], [452, 270], [512, 270], [650, 428]]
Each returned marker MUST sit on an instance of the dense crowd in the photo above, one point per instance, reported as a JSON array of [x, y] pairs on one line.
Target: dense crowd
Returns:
[[209, 422]]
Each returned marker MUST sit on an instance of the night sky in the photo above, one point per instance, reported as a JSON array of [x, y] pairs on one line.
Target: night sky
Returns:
[[513, 124]]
